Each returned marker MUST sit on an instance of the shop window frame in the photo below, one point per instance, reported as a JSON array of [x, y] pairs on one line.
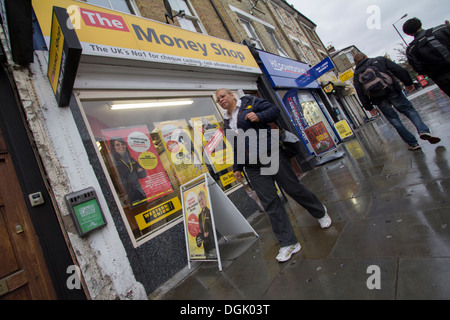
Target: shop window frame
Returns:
[[105, 95]]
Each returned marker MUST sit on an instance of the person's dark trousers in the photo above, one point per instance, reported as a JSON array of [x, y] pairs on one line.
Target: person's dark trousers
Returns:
[[398, 101], [443, 82], [286, 179]]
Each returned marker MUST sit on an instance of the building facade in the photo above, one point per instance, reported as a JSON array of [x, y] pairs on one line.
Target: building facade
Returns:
[[125, 140]]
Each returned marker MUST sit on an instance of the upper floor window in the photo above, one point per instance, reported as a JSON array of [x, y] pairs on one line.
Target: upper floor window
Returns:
[[189, 21], [280, 50], [252, 34], [119, 5], [304, 58]]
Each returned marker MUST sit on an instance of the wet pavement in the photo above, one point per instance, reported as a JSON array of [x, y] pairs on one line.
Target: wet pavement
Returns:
[[390, 237]]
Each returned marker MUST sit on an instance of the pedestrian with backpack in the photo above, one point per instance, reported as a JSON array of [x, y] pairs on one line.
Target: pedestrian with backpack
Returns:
[[375, 84], [429, 52]]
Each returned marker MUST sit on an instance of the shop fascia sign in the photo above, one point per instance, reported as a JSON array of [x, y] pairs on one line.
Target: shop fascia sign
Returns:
[[315, 72], [108, 33], [63, 58], [284, 72]]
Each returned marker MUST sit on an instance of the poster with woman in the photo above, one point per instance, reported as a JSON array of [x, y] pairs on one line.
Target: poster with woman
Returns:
[[137, 163]]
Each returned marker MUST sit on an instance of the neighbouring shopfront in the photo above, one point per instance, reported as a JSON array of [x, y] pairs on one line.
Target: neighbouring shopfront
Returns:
[[302, 104], [145, 110]]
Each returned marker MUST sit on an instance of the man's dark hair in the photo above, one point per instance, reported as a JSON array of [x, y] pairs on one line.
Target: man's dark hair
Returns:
[[411, 26]]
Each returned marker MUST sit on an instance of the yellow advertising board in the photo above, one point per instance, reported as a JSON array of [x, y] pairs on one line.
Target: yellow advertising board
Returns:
[[220, 152], [63, 58], [109, 33], [343, 129], [157, 213], [55, 53], [347, 75]]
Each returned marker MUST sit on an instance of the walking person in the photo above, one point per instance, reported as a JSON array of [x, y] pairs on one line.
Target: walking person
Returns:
[[375, 84], [429, 52], [251, 113]]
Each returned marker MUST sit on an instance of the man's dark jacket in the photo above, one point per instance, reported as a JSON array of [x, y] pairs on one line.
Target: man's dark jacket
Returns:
[[385, 66], [421, 59], [266, 112]]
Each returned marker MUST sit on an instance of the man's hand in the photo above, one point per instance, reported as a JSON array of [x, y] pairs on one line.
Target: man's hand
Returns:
[[252, 117], [238, 176], [410, 88]]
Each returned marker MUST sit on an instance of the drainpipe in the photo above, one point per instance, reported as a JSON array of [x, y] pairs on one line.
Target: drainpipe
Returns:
[[221, 19]]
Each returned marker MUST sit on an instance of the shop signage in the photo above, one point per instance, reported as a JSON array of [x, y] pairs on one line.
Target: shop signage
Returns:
[[284, 72], [294, 109], [157, 213], [328, 88], [320, 138], [205, 209], [343, 129], [347, 75], [315, 72], [108, 33], [64, 57]]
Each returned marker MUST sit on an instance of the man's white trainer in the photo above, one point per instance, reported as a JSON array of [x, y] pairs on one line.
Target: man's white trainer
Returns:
[[325, 222], [286, 253]]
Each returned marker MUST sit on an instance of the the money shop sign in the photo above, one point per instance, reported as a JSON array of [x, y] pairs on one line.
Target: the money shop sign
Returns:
[[108, 33]]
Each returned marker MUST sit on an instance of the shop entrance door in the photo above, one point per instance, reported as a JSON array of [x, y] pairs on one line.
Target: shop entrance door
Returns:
[[23, 272]]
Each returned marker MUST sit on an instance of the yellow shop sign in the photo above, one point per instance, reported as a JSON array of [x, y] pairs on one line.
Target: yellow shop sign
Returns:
[[109, 33]]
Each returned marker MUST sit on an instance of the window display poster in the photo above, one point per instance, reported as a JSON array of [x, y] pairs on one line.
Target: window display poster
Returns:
[[186, 159], [137, 162], [343, 129], [215, 144], [157, 213], [295, 111], [319, 138], [200, 231]]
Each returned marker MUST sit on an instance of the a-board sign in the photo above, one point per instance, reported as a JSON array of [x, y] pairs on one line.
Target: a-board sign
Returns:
[[205, 209]]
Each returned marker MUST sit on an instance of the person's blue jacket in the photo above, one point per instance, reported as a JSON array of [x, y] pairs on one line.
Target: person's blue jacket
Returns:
[[266, 112]]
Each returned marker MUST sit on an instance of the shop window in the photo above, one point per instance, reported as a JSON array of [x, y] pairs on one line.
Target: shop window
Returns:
[[118, 5], [150, 147]]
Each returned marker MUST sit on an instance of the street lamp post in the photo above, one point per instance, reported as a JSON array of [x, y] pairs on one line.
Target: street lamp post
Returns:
[[404, 16]]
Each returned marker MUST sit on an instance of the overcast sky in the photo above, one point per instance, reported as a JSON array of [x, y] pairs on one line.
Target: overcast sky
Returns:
[[367, 24]]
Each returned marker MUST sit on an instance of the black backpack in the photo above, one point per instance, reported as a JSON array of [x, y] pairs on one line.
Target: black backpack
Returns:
[[437, 55], [375, 83]]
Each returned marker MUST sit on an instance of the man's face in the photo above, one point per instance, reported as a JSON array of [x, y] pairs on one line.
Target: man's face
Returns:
[[225, 100], [202, 201]]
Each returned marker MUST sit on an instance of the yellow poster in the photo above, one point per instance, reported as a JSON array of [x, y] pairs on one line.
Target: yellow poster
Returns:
[[186, 159], [343, 129], [55, 54], [347, 75], [200, 230], [155, 214], [207, 130]]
